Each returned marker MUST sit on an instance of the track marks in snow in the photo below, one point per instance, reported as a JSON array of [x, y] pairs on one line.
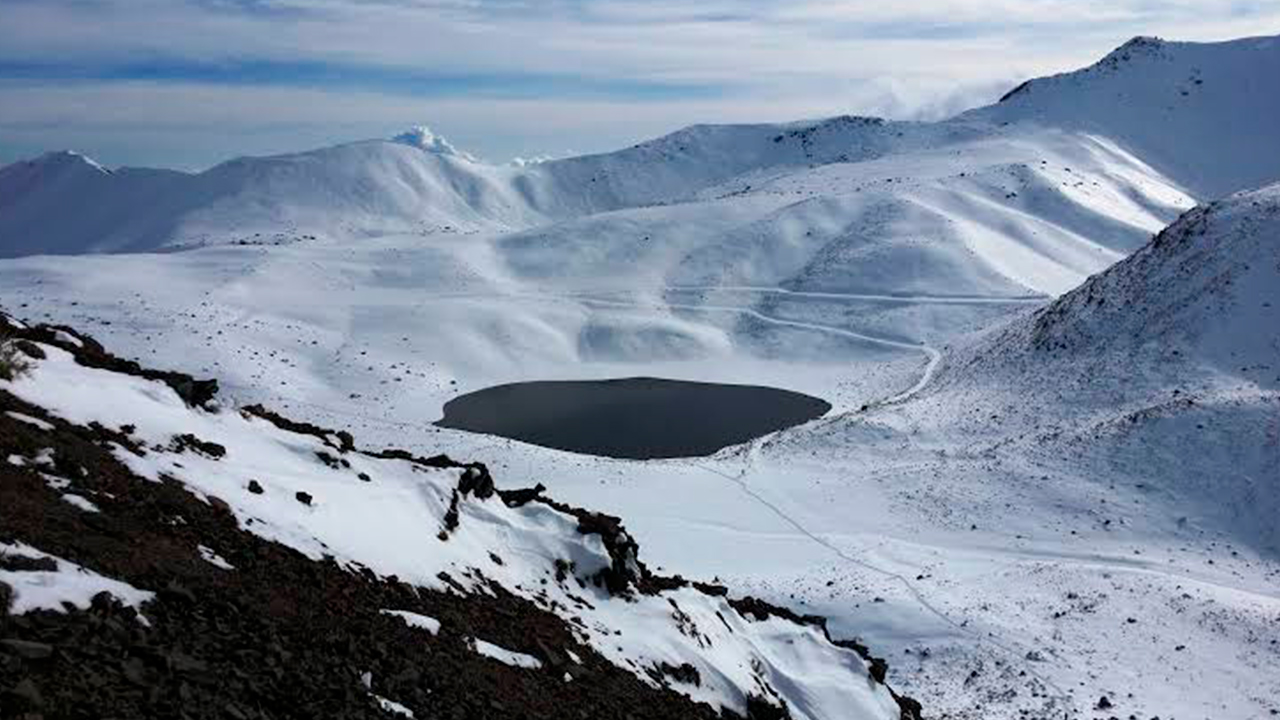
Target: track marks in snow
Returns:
[[1016, 655]]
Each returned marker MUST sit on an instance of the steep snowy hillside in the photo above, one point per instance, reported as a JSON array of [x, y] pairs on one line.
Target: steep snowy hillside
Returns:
[[1174, 354], [1206, 289], [146, 489], [347, 191], [1203, 113], [1198, 306], [65, 203]]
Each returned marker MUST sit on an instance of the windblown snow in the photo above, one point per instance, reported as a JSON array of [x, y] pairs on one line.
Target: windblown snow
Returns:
[[1052, 471]]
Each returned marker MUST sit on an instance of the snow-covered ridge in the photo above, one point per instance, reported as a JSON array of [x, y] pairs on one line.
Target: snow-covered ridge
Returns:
[[443, 526]]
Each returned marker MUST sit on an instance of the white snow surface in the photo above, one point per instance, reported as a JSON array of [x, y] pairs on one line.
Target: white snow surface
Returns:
[[70, 583], [1032, 487], [508, 657], [35, 422], [214, 559], [1201, 112], [80, 502], [416, 620], [392, 706]]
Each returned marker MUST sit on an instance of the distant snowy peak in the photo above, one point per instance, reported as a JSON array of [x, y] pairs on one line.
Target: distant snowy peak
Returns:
[[1207, 287], [421, 137], [1201, 113], [54, 167], [69, 160]]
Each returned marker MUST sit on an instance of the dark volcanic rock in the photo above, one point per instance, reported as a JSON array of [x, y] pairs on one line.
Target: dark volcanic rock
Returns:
[[26, 649]]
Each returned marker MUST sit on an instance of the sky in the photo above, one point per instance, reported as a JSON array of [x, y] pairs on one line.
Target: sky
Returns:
[[189, 83]]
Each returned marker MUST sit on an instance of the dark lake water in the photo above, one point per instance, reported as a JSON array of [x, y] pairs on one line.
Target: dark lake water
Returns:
[[637, 418]]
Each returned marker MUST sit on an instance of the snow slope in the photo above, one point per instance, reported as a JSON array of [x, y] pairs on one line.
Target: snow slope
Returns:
[[1091, 485], [415, 183]]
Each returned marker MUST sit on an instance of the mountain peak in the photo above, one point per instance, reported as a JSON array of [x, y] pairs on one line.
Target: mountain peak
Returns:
[[67, 159], [1141, 46]]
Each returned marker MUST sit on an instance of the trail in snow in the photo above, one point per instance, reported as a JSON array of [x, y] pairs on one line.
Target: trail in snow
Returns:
[[935, 357], [910, 299]]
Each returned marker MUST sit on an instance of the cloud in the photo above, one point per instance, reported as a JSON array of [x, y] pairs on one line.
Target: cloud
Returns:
[[422, 138]]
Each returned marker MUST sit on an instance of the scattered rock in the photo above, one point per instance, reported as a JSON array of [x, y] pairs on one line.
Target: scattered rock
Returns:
[[26, 649], [182, 443], [22, 563], [24, 695]]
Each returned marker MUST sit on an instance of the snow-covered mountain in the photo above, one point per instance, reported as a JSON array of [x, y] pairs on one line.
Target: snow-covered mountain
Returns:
[[416, 182], [1090, 486], [1213, 103], [1204, 290]]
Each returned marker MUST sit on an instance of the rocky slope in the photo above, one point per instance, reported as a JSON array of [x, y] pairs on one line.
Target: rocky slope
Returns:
[[163, 556]]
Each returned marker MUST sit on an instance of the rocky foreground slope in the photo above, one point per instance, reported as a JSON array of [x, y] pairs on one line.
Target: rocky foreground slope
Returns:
[[162, 556]]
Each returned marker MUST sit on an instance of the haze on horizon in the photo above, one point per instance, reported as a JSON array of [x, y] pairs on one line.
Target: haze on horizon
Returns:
[[189, 83]]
